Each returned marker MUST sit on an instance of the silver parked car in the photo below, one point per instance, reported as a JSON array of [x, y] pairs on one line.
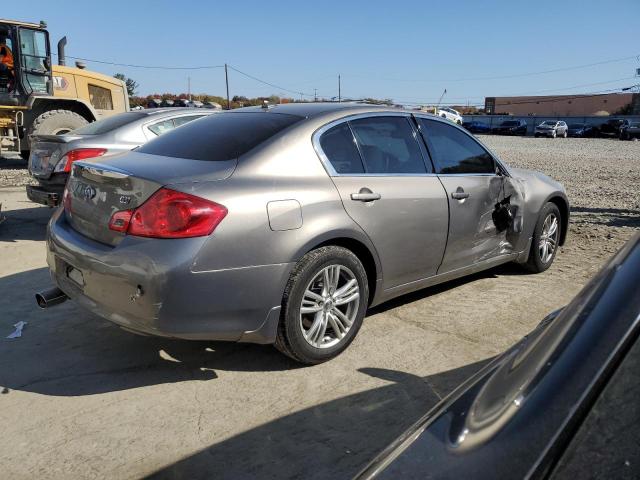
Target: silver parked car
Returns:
[[52, 155], [283, 225], [552, 128]]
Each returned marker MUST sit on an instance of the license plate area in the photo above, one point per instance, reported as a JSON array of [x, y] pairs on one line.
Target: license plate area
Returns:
[[40, 160]]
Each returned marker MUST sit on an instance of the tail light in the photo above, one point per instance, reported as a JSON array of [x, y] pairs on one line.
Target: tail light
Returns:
[[64, 165], [170, 214]]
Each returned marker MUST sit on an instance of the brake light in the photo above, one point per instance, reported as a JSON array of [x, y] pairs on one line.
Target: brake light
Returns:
[[78, 154], [170, 214]]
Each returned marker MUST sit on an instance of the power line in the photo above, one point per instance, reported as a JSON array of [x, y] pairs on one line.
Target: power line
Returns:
[[297, 92], [203, 67]]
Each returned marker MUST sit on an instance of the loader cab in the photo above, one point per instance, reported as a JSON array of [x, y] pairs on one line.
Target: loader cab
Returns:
[[29, 73]]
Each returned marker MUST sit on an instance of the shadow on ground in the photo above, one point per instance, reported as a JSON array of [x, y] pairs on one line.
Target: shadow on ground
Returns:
[[611, 217], [332, 440], [65, 351], [25, 223]]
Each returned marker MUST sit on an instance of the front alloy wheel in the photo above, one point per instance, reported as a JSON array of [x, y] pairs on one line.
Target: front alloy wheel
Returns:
[[546, 238]]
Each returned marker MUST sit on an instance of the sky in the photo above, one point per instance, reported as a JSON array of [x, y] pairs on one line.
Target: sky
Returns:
[[409, 51]]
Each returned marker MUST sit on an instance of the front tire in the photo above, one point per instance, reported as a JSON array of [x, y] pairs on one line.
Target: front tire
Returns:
[[546, 238], [323, 306]]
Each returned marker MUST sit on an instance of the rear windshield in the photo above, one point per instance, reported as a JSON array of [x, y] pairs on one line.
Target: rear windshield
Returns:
[[220, 137], [110, 123]]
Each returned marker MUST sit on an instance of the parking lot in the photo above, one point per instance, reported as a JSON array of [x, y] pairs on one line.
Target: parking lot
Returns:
[[80, 397]]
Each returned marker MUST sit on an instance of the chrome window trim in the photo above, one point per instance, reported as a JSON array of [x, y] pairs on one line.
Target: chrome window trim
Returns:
[[315, 140]]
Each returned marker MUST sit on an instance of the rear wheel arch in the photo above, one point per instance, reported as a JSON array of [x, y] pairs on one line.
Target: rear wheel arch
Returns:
[[563, 206], [362, 251]]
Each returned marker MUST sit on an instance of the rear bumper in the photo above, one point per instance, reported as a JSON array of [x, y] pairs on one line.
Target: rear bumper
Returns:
[[50, 196], [149, 286]]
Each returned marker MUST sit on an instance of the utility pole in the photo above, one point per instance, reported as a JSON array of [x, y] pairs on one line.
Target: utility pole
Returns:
[[226, 79], [315, 94], [189, 88], [339, 90]]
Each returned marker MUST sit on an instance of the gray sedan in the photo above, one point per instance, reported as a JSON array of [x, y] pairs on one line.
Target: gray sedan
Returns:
[[283, 225], [52, 155]]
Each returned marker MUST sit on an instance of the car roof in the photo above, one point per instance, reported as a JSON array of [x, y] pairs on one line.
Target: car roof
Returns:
[[312, 109]]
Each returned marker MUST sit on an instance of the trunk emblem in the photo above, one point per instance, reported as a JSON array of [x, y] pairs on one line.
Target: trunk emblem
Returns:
[[89, 192]]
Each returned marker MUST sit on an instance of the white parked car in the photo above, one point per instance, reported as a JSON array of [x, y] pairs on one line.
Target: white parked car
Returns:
[[450, 114]]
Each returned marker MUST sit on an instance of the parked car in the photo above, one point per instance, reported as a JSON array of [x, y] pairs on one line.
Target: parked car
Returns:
[[611, 128], [560, 404], [582, 130], [511, 127], [450, 114], [477, 127], [284, 224], [630, 130], [52, 155], [552, 128]]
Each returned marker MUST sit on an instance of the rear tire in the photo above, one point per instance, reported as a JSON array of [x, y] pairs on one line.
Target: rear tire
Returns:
[[56, 122], [310, 336], [540, 258]]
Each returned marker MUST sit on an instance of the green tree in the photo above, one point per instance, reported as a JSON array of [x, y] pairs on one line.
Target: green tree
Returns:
[[132, 85]]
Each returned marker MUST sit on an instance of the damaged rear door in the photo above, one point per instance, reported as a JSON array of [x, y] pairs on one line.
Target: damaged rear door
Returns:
[[474, 186]]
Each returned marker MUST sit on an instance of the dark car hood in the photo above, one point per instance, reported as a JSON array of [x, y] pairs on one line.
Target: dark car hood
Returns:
[[504, 421]]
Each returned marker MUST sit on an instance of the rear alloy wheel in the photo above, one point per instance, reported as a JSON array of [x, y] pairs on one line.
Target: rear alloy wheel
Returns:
[[546, 237], [323, 306]]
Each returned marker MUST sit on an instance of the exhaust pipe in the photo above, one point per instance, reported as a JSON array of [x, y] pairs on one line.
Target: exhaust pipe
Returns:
[[50, 297], [61, 57]]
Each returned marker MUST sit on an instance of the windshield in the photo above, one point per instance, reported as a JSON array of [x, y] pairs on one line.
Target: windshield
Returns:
[[549, 122], [511, 123], [220, 137], [33, 58], [110, 123]]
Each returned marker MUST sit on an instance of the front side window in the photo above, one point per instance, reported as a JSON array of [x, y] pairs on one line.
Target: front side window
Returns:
[[388, 145], [100, 98], [453, 151], [339, 147], [33, 54]]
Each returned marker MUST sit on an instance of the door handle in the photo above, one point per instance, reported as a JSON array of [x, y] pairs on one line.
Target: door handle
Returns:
[[365, 195], [459, 194]]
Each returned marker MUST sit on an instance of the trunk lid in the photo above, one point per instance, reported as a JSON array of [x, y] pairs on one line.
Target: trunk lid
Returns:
[[46, 152], [97, 189]]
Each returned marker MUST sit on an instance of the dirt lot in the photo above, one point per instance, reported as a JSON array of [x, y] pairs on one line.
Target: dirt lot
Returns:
[[82, 398]]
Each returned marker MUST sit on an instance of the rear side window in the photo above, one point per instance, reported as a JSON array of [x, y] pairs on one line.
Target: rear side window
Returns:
[[162, 127], [100, 98], [388, 145], [110, 123], [220, 137], [453, 151], [186, 119], [339, 147]]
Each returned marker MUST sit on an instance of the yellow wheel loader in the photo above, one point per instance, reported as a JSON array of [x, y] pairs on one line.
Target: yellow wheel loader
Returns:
[[39, 98]]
